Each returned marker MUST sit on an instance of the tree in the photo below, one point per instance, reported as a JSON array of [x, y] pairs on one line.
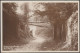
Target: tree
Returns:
[[58, 13], [10, 23]]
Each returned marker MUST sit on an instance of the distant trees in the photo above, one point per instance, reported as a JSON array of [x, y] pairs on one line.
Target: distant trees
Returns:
[[23, 26]]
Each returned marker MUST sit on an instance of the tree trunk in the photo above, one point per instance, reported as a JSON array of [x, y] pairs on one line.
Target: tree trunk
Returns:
[[60, 31]]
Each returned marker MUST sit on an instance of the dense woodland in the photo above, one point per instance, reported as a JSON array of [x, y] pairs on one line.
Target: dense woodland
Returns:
[[16, 27]]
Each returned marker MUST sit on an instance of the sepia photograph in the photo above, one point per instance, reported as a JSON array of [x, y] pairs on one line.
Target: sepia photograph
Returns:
[[29, 26]]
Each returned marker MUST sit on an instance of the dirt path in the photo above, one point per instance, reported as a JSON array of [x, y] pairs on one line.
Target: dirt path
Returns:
[[40, 34], [33, 45]]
